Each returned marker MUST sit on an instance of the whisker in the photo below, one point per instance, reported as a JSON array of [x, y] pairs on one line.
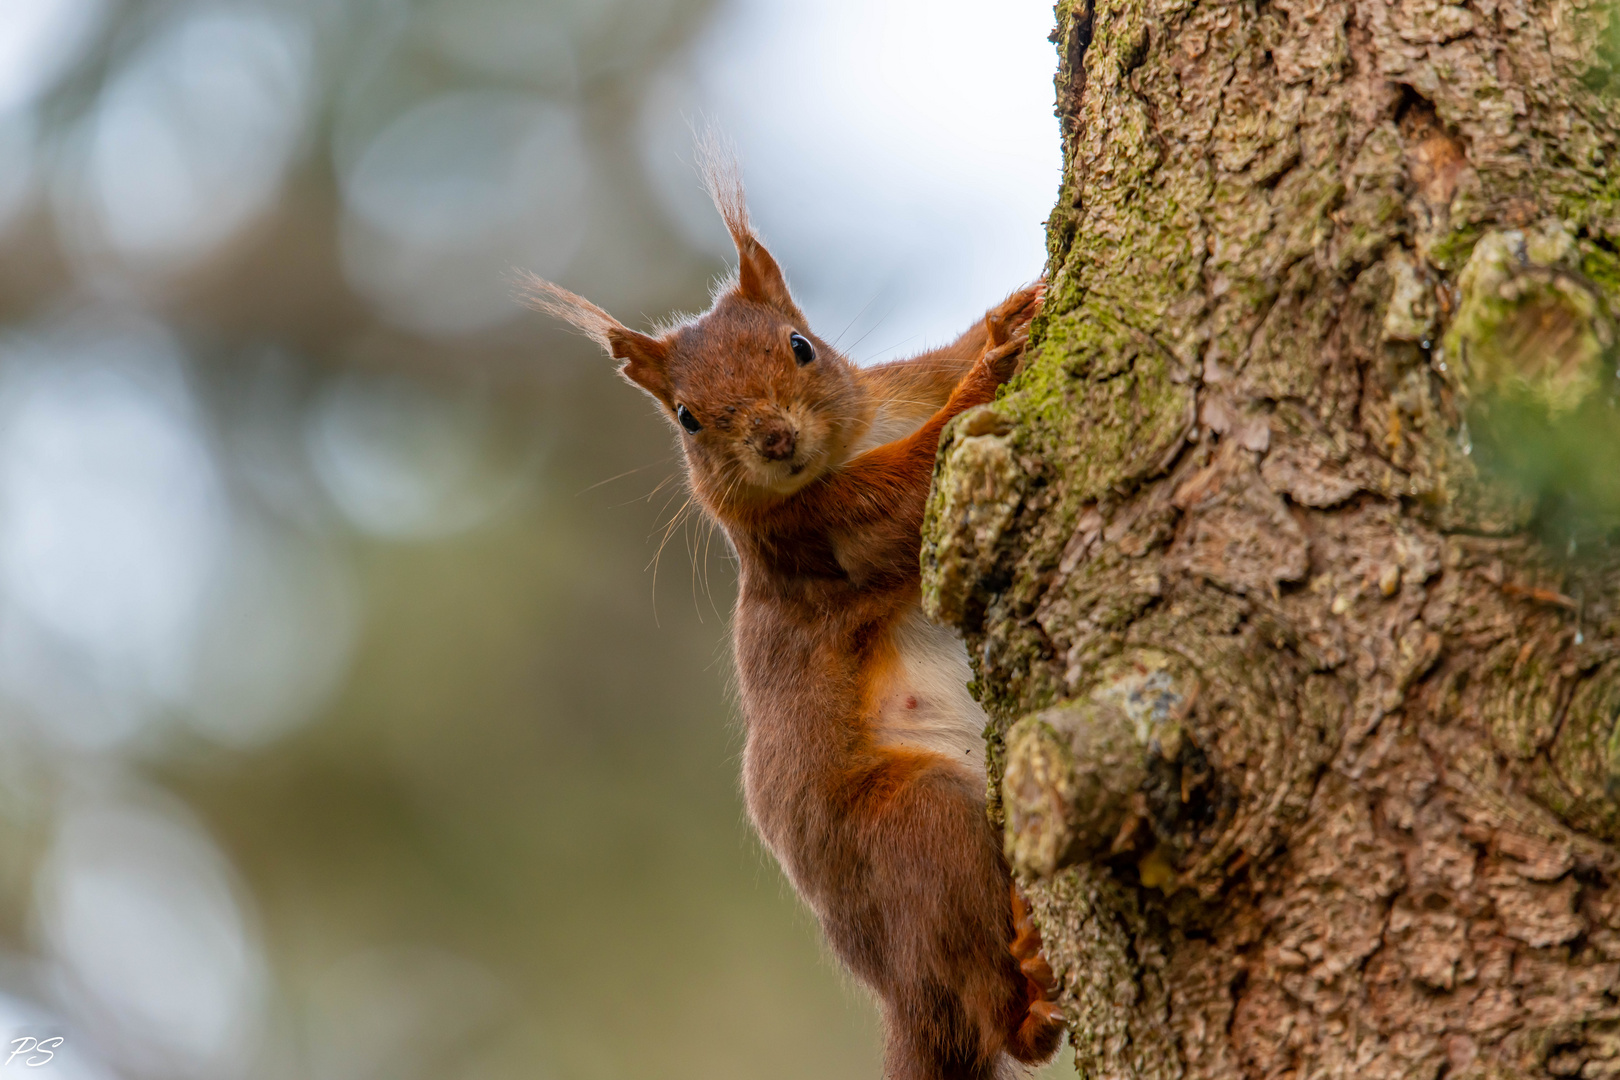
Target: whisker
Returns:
[[713, 527], [921, 403], [857, 342], [891, 348], [621, 476], [691, 551], [856, 319], [708, 581], [650, 495], [919, 363], [657, 559]]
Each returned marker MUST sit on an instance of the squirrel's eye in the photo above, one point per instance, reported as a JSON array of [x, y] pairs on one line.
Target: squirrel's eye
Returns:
[[803, 351], [688, 421]]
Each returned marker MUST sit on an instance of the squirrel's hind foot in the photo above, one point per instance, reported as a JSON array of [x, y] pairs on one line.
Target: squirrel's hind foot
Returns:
[[1041, 1029]]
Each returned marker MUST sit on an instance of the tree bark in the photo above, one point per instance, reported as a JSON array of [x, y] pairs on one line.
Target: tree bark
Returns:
[[1286, 563]]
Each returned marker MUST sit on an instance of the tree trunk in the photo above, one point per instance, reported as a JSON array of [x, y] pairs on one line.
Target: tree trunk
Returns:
[[1285, 565]]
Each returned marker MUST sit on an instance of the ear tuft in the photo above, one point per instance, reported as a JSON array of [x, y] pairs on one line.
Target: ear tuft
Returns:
[[645, 357], [759, 278], [571, 308], [722, 178]]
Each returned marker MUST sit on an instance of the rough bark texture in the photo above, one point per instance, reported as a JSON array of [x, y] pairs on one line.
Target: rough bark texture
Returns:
[[1286, 564]]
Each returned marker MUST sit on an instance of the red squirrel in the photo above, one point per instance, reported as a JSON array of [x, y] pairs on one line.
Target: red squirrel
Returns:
[[864, 761]]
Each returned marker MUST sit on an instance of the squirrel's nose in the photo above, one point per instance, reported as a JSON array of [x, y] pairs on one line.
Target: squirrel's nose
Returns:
[[776, 439]]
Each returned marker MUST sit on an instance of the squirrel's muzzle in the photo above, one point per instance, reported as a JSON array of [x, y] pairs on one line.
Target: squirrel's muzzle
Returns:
[[775, 439]]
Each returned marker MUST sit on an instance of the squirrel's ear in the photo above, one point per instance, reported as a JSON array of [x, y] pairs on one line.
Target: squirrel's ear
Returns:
[[645, 357], [645, 362], [758, 276]]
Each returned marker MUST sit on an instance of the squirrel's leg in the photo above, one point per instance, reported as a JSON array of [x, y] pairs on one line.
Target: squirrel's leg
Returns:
[[1006, 332], [953, 996], [923, 1038], [881, 493], [918, 385]]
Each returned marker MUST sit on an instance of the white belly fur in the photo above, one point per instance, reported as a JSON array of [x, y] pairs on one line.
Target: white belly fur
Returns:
[[925, 704]]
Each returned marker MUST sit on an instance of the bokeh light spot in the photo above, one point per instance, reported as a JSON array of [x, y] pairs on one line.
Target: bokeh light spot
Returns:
[[39, 40], [111, 520], [138, 906], [447, 199], [276, 637], [403, 463], [191, 138]]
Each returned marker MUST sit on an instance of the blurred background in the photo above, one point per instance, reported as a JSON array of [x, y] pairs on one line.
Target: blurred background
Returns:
[[352, 726]]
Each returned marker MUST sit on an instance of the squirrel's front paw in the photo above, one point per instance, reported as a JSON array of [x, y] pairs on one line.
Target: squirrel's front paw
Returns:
[[1004, 320], [1002, 360]]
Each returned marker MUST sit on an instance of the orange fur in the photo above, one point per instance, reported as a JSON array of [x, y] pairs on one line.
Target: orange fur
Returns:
[[888, 844]]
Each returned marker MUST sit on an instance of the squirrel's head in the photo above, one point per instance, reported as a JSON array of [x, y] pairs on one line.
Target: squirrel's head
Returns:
[[761, 404]]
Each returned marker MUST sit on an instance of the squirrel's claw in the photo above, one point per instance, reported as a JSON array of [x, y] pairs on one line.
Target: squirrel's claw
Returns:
[[1039, 972], [1004, 320], [1040, 1032], [1007, 326], [1042, 1027], [1002, 360]]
